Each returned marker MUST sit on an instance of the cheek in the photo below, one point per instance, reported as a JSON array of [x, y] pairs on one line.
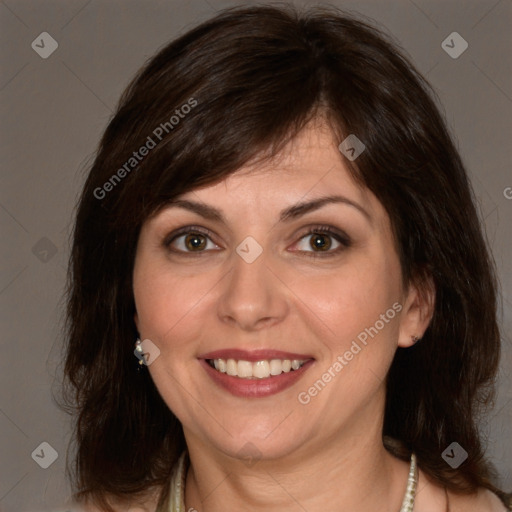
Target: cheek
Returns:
[[360, 304], [355, 295], [167, 302]]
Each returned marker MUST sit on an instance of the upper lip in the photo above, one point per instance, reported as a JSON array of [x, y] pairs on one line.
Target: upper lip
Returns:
[[253, 355]]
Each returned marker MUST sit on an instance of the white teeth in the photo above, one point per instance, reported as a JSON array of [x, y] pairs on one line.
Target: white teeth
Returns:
[[276, 367], [244, 369], [261, 369], [257, 370], [231, 367], [221, 365]]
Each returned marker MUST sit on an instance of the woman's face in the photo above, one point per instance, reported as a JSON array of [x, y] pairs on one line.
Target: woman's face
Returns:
[[250, 284]]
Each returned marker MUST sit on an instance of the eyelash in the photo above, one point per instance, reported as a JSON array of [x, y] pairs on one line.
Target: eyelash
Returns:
[[339, 236]]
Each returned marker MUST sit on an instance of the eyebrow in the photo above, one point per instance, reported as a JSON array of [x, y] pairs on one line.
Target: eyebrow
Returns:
[[290, 213]]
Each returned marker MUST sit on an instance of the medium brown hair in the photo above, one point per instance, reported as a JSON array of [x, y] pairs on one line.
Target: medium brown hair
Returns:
[[257, 76]]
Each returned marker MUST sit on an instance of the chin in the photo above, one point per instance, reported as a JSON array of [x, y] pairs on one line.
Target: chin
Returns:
[[258, 442]]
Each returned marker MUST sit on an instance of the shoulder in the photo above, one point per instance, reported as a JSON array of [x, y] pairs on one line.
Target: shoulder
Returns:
[[432, 497], [149, 505], [482, 501], [94, 508]]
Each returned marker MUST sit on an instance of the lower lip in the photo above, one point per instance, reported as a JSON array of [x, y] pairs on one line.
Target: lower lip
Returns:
[[256, 388]]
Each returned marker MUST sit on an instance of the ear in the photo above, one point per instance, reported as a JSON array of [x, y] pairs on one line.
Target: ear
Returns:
[[417, 311]]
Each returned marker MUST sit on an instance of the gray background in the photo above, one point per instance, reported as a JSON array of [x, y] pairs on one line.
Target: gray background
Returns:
[[54, 111]]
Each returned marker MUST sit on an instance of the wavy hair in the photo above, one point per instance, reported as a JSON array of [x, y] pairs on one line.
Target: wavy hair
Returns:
[[257, 76]]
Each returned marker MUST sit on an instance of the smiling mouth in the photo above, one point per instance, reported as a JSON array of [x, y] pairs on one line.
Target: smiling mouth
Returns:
[[256, 370]]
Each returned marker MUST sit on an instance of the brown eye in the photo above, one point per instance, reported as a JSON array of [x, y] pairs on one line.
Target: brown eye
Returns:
[[323, 241], [320, 241], [195, 241], [190, 240]]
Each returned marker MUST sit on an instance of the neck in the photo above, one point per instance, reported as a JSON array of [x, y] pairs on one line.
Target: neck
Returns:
[[353, 471]]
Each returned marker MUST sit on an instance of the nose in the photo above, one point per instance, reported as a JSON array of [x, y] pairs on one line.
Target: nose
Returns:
[[252, 297]]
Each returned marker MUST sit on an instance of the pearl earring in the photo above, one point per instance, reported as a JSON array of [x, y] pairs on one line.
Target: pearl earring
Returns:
[[139, 354]]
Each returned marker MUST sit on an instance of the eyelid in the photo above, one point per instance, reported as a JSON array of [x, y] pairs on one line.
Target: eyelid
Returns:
[[335, 233], [185, 230], [340, 236]]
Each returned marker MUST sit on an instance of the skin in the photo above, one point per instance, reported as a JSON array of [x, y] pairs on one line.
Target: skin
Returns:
[[189, 304]]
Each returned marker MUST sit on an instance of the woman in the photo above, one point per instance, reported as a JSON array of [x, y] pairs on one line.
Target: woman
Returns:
[[280, 295]]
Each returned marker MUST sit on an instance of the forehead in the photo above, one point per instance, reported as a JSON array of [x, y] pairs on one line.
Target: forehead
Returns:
[[308, 167]]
